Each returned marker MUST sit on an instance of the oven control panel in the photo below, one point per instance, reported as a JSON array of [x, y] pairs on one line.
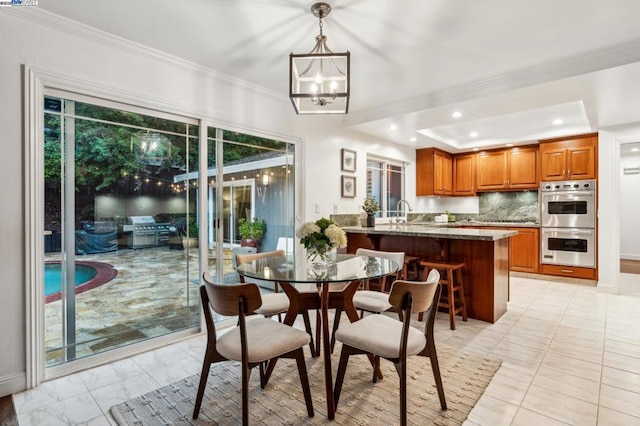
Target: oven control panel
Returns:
[[569, 185]]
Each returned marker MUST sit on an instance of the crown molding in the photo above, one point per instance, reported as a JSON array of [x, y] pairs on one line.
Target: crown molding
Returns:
[[85, 32], [525, 77]]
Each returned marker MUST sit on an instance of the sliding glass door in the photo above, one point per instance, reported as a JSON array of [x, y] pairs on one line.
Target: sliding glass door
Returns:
[[118, 267], [256, 183], [122, 216]]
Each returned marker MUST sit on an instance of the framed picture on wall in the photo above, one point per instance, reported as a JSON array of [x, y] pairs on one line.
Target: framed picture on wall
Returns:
[[348, 160], [348, 186]]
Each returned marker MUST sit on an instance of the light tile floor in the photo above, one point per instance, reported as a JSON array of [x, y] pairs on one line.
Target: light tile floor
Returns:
[[571, 355]]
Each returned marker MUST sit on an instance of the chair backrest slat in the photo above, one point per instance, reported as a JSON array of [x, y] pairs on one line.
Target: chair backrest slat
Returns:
[[250, 257], [223, 298], [394, 256], [421, 292]]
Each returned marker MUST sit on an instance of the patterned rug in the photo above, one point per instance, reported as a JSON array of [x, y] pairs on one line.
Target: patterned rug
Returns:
[[465, 377]]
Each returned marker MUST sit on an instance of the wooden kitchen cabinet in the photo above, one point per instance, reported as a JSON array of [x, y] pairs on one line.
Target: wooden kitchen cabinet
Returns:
[[514, 168], [464, 174], [569, 158], [524, 250], [434, 172]]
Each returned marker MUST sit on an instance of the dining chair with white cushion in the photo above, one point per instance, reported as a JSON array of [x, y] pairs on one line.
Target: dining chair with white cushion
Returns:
[[251, 343], [394, 340], [372, 300], [275, 303]]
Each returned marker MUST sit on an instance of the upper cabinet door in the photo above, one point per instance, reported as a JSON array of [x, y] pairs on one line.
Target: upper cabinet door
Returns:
[[569, 158], [464, 174], [581, 162], [523, 168], [553, 164], [433, 172], [443, 173], [491, 170]]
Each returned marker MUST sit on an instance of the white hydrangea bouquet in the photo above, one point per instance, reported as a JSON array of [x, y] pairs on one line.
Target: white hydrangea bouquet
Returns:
[[321, 239]]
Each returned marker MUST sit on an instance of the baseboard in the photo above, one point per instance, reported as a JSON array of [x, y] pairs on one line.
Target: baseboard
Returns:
[[13, 384], [626, 256]]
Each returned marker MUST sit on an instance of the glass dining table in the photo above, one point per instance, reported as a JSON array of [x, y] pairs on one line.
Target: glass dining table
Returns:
[[319, 289]]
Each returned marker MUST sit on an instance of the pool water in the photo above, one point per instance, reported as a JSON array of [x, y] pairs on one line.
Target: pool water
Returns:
[[53, 276]]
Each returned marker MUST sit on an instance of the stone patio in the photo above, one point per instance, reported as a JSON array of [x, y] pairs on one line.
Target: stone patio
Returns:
[[155, 293]]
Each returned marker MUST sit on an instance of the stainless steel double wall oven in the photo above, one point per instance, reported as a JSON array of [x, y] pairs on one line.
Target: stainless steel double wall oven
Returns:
[[568, 223]]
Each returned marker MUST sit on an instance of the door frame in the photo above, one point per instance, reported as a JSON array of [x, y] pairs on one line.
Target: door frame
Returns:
[[34, 83]]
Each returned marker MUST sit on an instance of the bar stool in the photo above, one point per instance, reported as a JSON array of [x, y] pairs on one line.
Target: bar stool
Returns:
[[451, 279], [412, 262]]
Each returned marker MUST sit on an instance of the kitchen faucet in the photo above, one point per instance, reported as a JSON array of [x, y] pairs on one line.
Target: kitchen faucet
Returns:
[[398, 209]]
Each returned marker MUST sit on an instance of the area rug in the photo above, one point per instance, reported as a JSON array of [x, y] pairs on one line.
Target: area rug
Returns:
[[465, 377]]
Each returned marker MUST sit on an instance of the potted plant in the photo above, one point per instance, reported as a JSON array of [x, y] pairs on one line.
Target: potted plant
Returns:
[[371, 207], [251, 231], [190, 239]]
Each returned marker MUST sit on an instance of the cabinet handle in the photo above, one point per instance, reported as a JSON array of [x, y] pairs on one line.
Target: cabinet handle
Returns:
[[567, 271], [568, 172]]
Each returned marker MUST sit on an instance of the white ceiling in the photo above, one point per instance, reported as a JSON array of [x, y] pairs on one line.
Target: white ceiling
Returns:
[[510, 67]]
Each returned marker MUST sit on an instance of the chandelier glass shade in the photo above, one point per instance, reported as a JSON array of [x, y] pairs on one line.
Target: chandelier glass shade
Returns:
[[319, 80]]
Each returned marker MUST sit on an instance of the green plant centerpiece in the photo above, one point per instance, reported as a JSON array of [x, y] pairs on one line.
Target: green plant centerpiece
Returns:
[[370, 207], [321, 238], [251, 231]]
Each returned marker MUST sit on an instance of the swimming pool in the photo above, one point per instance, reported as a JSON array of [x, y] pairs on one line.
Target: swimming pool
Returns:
[[89, 275]]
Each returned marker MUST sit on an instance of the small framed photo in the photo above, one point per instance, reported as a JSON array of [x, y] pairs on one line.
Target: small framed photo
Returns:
[[348, 160], [348, 186]]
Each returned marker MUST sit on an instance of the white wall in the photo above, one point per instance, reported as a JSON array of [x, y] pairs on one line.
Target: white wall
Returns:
[[81, 57], [629, 208], [322, 171]]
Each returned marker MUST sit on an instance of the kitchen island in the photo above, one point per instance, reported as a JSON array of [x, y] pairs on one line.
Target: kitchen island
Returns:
[[485, 252]]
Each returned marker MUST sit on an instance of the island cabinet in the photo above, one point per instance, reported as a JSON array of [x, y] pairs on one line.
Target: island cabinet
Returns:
[[507, 169], [433, 172], [569, 158], [464, 174], [524, 248], [485, 253]]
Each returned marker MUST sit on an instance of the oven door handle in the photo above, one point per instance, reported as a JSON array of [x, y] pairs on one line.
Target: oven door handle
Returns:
[[565, 231], [563, 193]]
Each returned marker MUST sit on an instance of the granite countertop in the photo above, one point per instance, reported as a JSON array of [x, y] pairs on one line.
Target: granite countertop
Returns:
[[426, 230], [479, 223]]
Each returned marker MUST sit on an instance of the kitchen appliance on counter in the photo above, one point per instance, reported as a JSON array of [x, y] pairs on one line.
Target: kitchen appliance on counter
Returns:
[[568, 223]]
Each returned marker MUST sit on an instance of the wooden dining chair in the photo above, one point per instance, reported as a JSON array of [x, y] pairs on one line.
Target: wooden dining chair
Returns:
[[252, 343], [276, 303], [395, 340], [367, 300]]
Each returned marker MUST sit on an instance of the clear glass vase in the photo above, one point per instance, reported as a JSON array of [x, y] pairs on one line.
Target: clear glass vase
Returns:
[[319, 260]]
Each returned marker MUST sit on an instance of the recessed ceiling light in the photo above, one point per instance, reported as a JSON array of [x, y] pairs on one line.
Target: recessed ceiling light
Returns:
[[473, 134], [393, 127], [509, 144], [557, 121], [635, 149], [456, 114], [413, 139]]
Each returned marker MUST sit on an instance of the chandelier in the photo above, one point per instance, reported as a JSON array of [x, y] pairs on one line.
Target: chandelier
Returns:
[[319, 80]]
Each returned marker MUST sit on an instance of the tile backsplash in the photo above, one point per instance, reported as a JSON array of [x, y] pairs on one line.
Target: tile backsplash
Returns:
[[520, 206], [509, 206]]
